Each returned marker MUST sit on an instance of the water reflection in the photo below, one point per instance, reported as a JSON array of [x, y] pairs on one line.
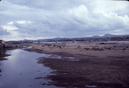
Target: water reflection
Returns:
[[21, 69]]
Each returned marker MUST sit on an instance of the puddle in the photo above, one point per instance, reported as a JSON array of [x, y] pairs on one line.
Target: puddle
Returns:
[[27, 47], [21, 70], [62, 57]]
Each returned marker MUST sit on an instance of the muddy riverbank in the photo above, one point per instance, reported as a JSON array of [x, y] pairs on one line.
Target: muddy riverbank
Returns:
[[102, 73], [91, 65]]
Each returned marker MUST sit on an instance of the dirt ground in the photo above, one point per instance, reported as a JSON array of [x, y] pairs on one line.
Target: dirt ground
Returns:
[[99, 65]]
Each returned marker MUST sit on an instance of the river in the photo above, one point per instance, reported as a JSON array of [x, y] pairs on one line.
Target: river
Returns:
[[21, 70]]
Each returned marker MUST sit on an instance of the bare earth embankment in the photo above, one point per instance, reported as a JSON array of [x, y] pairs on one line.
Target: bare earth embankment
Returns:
[[97, 65]]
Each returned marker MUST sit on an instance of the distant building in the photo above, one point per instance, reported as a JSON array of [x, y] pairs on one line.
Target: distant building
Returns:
[[1, 41]]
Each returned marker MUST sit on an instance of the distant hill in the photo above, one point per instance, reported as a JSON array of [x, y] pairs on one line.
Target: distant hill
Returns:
[[57, 38], [106, 35], [26, 40], [96, 36]]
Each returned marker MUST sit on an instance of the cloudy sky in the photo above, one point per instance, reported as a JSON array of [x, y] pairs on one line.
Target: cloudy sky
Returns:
[[41, 19]]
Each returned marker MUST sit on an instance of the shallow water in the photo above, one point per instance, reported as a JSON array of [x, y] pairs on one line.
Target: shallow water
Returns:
[[21, 69]]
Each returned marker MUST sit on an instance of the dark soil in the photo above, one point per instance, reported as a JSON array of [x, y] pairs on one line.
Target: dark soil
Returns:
[[89, 72]]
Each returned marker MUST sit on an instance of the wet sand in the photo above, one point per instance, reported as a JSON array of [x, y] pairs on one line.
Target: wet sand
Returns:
[[96, 65]]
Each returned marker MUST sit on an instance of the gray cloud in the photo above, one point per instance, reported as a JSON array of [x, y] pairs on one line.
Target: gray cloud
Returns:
[[3, 32], [66, 18]]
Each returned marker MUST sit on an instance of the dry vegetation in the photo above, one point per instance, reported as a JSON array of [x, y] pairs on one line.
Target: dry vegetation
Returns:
[[101, 50]]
